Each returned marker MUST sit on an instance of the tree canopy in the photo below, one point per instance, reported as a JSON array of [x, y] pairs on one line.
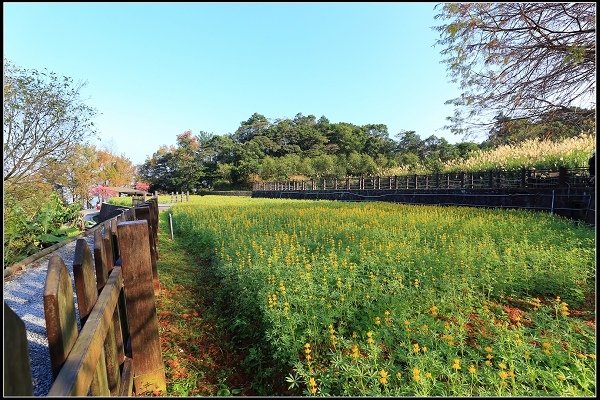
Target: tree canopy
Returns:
[[44, 118], [523, 60], [302, 147]]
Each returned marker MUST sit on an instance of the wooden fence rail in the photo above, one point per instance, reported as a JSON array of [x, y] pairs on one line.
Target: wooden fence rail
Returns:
[[117, 352], [524, 178]]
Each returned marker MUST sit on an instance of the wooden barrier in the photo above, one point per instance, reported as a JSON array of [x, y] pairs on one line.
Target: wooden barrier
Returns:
[[117, 352], [17, 375], [523, 178]]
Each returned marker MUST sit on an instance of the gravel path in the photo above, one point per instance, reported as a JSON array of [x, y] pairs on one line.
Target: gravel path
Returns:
[[23, 292]]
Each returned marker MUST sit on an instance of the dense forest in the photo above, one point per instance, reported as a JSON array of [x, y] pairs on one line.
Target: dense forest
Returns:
[[306, 147]]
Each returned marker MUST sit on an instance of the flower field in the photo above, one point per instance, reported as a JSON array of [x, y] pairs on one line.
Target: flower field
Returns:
[[380, 299]]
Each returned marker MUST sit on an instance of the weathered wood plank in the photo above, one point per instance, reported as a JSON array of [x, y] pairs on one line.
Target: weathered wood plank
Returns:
[[17, 372], [144, 213], [75, 377], [99, 254], [106, 379], [126, 388], [148, 368], [85, 280], [99, 385], [87, 294], [59, 311]]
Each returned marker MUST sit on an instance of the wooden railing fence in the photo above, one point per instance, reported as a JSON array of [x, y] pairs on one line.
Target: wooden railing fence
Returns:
[[524, 178], [117, 351], [178, 197]]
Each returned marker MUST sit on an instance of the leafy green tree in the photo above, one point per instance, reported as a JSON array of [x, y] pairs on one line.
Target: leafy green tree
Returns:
[[44, 119], [347, 137], [256, 125], [521, 59], [325, 166]]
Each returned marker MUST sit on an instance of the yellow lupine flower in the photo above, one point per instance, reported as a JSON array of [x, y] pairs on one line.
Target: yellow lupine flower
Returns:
[[383, 377], [456, 364], [355, 352], [312, 385], [416, 377]]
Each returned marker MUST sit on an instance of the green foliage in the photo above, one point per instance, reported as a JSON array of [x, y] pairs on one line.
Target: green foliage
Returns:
[[121, 201], [379, 299], [304, 148], [28, 231]]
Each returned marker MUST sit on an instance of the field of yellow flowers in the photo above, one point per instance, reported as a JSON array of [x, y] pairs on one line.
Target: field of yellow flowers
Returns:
[[380, 299]]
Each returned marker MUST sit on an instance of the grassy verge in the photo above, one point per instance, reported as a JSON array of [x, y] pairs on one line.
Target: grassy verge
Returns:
[[198, 355]]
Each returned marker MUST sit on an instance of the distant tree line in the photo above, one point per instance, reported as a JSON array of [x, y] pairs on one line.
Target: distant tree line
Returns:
[[306, 147]]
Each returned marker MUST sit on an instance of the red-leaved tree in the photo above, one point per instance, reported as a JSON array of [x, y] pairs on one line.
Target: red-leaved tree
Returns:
[[142, 186]]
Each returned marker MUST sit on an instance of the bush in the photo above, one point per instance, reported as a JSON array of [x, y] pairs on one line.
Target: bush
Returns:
[[27, 230]]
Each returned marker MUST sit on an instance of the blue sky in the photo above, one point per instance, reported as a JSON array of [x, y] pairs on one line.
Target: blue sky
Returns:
[[155, 70]]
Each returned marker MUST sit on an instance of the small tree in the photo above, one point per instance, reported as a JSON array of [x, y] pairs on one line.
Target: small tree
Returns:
[[102, 192], [143, 186], [44, 118]]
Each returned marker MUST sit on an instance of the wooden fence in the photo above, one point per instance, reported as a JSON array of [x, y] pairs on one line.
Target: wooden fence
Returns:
[[524, 178], [117, 352]]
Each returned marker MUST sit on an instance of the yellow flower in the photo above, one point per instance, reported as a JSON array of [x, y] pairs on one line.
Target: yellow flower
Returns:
[[377, 321], [472, 369], [312, 385], [416, 377], [433, 310], [502, 365], [456, 364], [424, 349], [428, 375], [416, 347], [383, 376], [488, 349], [503, 374], [355, 352], [488, 363]]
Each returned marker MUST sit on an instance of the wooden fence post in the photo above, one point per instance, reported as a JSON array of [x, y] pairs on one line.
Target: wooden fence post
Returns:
[[107, 255], [563, 177], [17, 372], [148, 367], [99, 260], [87, 295], [143, 213], [59, 311]]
